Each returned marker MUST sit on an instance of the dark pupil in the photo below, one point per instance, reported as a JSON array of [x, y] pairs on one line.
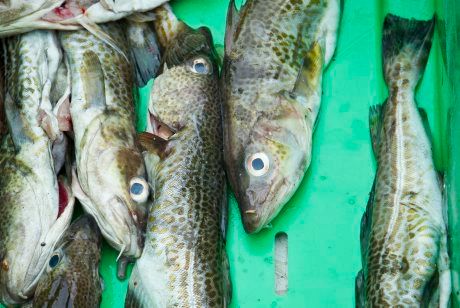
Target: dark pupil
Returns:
[[257, 164], [54, 261], [136, 189], [200, 68]]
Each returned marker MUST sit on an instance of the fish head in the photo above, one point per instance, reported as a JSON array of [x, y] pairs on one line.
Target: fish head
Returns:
[[32, 235], [117, 194], [267, 151], [72, 270]]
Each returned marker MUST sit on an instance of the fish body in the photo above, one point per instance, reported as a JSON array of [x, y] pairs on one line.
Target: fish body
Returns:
[[184, 263], [22, 16], [71, 278], [275, 55], [110, 179], [403, 232], [36, 206]]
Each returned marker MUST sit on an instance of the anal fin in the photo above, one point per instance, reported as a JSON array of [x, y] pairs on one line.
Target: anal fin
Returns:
[[375, 118]]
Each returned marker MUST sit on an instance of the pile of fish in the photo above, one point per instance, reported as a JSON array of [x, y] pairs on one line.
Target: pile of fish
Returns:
[[67, 133]]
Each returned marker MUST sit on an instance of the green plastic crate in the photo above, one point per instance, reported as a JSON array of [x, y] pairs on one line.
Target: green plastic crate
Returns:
[[322, 220]]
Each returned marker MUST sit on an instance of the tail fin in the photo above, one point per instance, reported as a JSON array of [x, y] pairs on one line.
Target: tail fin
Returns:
[[166, 24], [406, 46], [136, 297], [144, 49]]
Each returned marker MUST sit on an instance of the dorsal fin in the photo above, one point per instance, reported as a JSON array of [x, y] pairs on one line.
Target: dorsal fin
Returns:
[[233, 18], [92, 76]]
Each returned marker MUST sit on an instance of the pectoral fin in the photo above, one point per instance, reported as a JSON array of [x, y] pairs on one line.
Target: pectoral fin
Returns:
[[152, 143], [92, 76], [307, 87]]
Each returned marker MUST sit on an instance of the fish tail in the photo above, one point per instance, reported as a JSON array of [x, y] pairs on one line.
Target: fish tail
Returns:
[[406, 46], [137, 296], [166, 24], [145, 51]]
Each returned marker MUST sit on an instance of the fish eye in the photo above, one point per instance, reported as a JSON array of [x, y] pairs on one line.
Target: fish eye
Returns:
[[201, 66], [139, 190], [258, 164], [54, 260]]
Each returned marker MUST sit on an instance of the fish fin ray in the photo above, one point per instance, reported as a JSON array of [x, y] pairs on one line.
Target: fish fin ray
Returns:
[[93, 79], [14, 118], [97, 31], [145, 53], [406, 38], [307, 88], [359, 290], [233, 18], [166, 24], [153, 143], [375, 119]]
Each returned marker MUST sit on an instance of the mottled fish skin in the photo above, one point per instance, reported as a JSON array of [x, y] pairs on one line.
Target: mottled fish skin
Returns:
[[404, 250], [275, 55], [108, 160], [184, 262], [72, 276], [36, 208]]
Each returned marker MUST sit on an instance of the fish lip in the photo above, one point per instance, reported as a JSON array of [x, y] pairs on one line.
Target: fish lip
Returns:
[[257, 215], [125, 242]]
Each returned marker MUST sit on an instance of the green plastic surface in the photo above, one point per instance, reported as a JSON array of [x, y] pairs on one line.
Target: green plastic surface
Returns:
[[322, 220]]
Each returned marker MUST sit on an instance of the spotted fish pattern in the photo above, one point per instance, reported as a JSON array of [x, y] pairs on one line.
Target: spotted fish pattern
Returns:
[[36, 206], [71, 278], [275, 55], [403, 232], [108, 159], [184, 262]]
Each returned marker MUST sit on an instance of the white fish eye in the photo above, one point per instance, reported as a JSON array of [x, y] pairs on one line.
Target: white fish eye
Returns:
[[201, 66], [139, 190], [258, 164]]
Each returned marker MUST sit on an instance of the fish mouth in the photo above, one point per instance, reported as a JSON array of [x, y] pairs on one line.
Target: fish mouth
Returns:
[[121, 231], [258, 206]]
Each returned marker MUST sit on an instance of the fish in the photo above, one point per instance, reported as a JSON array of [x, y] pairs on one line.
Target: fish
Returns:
[[71, 278], [21, 16], [109, 177], [37, 204], [404, 229], [275, 56], [144, 49], [184, 262]]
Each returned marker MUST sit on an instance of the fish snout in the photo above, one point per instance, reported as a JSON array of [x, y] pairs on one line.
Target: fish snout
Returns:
[[126, 232]]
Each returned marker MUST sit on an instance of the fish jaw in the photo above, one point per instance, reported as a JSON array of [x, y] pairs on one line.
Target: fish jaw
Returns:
[[287, 150], [22, 268], [121, 227]]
